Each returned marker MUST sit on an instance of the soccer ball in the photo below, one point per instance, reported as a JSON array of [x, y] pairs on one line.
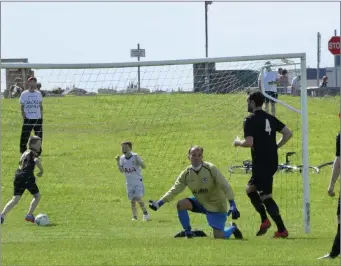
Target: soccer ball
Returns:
[[42, 220]]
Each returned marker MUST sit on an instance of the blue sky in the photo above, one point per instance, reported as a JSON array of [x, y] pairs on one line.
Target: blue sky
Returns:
[[105, 32]]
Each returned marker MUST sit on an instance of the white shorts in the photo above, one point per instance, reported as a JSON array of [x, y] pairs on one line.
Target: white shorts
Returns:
[[135, 189]]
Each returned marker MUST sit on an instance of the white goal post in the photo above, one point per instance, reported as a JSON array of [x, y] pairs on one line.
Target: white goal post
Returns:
[[187, 76]]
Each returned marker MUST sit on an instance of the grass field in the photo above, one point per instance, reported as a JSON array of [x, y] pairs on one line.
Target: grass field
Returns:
[[84, 194]]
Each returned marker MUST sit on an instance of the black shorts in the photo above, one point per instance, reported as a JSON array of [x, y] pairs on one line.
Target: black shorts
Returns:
[[263, 181], [272, 94], [338, 208], [21, 183]]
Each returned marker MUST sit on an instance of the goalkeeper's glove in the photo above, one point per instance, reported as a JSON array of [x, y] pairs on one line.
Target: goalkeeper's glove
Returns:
[[155, 205], [233, 210]]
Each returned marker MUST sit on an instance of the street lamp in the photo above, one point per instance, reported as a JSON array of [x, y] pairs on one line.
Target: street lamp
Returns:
[[207, 3]]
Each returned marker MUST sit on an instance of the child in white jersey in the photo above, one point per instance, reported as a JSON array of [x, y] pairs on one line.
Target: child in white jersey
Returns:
[[130, 163]]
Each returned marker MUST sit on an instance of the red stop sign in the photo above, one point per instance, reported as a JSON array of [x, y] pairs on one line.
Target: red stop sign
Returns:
[[334, 45]]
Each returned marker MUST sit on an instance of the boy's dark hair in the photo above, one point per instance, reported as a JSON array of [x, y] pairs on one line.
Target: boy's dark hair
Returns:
[[127, 143], [284, 71], [195, 147], [257, 97]]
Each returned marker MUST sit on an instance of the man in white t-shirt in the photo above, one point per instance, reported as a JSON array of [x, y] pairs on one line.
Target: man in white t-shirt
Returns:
[[32, 113], [270, 79], [296, 85]]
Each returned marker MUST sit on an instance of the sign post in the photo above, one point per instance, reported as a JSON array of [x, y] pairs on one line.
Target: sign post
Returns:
[[138, 53], [334, 48]]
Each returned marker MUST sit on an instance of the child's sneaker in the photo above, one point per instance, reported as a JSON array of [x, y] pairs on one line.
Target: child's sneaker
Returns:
[[29, 218], [134, 218], [146, 217]]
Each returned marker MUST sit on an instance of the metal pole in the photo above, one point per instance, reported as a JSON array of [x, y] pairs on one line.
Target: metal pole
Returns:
[[206, 46], [206, 29], [318, 59], [138, 70], [335, 63]]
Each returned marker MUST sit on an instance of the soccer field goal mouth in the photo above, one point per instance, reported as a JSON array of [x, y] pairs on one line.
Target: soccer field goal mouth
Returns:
[[152, 103]]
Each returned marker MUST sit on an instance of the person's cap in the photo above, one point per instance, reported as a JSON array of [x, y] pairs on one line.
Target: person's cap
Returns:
[[32, 78]]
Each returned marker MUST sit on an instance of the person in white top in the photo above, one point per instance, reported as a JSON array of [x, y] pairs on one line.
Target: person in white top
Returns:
[[296, 85], [130, 163], [32, 113], [270, 79]]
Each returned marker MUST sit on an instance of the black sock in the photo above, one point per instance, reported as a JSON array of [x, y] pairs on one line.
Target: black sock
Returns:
[[336, 245], [257, 203], [273, 211]]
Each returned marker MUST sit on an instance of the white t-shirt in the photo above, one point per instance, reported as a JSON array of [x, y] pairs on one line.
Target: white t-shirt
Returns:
[[296, 83], [32, 102], [131, 167], [269, 77]]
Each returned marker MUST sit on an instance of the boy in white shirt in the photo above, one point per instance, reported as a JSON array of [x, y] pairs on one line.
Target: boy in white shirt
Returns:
[[130, 163]]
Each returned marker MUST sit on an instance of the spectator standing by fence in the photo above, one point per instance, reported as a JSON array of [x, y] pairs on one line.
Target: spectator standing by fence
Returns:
[[32, 113]]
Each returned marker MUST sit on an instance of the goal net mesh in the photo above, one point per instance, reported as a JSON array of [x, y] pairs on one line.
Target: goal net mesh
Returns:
[[162, 117]]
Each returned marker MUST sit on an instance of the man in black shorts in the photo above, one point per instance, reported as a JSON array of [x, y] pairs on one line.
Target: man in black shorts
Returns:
[[260, 135], [335, 251], [24, 179]]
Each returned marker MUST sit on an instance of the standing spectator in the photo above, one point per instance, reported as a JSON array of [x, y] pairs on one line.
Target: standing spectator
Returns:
[[270, 80], [16, 88], [284, 81], [324, 82], [279, 72], [32, 113], [296, 85], [39, 87]]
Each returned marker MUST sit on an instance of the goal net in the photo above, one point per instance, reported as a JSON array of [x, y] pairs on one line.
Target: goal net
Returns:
[[163, 107]]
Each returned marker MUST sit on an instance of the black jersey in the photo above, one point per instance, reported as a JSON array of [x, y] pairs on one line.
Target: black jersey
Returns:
[[263, 127], [27, 164]]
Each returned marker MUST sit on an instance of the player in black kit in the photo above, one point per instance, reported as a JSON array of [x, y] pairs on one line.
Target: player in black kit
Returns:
[[260, 135], [24, 179], [335, 251]]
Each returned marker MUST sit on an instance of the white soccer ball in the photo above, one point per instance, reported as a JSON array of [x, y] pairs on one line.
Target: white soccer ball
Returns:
[[42, 220]]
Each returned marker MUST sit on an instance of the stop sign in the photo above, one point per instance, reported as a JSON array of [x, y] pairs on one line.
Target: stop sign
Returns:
[[334, 45]]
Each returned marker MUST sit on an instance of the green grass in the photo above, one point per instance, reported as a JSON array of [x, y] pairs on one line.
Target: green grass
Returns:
[[84, 194]]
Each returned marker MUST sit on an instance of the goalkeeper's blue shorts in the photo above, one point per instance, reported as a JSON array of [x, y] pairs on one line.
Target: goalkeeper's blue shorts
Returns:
[[216, 220]]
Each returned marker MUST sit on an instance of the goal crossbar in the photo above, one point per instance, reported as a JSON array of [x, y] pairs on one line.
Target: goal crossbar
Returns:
[[151, 63]]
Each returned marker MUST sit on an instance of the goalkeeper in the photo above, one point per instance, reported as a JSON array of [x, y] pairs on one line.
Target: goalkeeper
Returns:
[[210, 194]]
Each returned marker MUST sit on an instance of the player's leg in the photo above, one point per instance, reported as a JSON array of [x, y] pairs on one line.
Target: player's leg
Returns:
[[271, 206], [139, 194], [131, 196], [252, 193], [336, 244], [34, 190], [185, 205], [335, 251], [25, 134], [19, 189], [38, 131], [217, 222]]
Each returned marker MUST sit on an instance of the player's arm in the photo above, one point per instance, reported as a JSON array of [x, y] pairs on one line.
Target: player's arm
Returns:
[[22, 106], [119, 165], [140, 162], [222, 182], [248, 135], [38, 163], [285, 131], [178, 187]]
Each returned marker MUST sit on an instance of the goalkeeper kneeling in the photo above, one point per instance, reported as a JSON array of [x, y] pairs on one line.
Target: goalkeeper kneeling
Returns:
[[210, 194]]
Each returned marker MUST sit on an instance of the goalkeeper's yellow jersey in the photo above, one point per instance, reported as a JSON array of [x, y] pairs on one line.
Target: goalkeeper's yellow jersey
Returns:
[[208, 185]]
